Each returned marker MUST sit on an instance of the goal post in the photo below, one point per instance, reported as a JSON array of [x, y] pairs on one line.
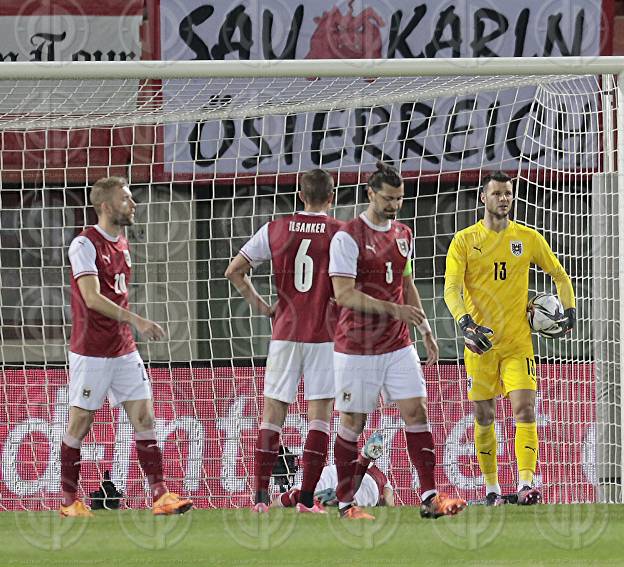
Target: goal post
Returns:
[[212, 150]]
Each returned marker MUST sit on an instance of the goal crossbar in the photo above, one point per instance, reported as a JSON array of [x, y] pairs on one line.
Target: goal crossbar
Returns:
[[144, 70], [37, 95]]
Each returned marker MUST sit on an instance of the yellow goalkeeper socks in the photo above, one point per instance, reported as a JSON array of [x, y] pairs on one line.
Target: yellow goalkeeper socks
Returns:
[[527, 446], [485, 445]]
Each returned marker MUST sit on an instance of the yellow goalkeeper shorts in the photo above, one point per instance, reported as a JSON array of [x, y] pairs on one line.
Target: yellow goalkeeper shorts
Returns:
[[497, 372]]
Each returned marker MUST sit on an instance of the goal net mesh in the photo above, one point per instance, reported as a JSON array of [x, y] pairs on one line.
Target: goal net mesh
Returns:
[[210, 161]]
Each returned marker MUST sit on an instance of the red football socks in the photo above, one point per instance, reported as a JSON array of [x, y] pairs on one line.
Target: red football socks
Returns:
[[70, 472], [314, 456], [150, 457], [361, 466], [345, 457], [421, 451], [265, 455]]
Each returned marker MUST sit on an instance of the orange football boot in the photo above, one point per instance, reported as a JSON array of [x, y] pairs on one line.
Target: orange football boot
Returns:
[[355, 513], [441, 505], [78, 509], [170, 503]]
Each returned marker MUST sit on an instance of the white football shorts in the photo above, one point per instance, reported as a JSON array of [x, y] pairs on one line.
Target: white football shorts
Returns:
[[360, 378], [122, 378], [288, 361]]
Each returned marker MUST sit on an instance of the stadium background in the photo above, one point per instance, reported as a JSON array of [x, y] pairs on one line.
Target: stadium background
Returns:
[[206, 394]]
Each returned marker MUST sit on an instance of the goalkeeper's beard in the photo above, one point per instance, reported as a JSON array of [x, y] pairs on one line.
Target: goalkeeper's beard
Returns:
[[497, 215]]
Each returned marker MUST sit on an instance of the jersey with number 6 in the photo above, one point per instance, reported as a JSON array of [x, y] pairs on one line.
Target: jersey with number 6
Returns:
[[377, 258], [94, 252], [298, 246]]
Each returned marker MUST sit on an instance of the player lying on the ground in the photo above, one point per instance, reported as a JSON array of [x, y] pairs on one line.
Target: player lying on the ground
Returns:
[[371, 489]]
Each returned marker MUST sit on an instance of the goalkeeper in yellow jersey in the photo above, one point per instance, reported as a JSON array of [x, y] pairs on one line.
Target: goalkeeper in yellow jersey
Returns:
[[486, 290]]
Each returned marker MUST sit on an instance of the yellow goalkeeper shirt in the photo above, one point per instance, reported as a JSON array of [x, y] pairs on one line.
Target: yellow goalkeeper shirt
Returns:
[[491, 269]]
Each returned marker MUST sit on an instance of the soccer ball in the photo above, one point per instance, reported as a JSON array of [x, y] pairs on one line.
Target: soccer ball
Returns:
[[543, 312]]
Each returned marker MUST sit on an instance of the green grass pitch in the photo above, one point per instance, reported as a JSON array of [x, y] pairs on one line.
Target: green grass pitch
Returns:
[[508, 535]]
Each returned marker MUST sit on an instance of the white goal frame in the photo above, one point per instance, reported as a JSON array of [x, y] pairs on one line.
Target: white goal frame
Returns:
[[466, 67]]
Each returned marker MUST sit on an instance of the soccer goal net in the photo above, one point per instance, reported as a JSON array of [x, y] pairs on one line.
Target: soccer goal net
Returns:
[[212, 151]]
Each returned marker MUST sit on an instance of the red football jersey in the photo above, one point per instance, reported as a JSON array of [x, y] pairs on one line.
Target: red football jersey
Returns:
[[298, 246], [93, 252], [382, 256]]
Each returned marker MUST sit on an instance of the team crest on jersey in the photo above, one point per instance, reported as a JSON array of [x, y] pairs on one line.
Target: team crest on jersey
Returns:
[[127, 258], [516, 247], [403, 246], [469, 382]]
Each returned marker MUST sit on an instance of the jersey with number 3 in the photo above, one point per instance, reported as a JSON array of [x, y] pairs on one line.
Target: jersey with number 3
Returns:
[[377, 258], [94, 252], [298, 246]]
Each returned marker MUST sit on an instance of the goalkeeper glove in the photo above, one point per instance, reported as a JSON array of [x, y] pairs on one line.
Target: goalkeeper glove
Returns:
[[567, 323], [475, 336]]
